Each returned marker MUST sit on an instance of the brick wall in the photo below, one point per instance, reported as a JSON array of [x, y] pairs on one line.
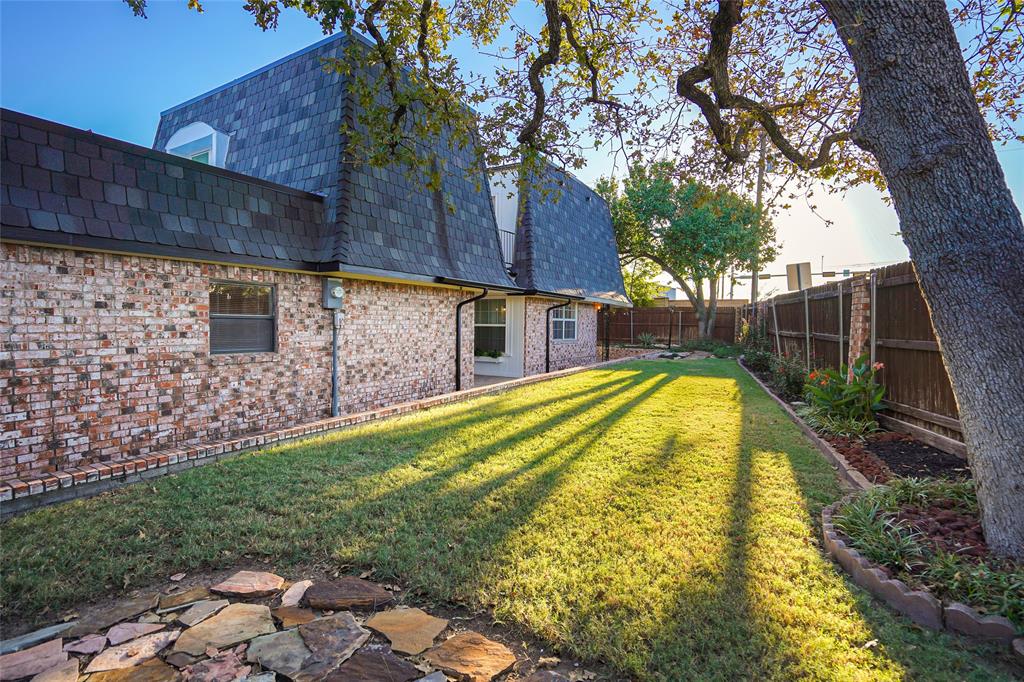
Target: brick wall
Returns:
[[106, 357], [860, 318], [397, 343], [564, 354]]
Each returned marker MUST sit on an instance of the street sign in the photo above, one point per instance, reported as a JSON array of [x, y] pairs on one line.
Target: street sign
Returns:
[[798, 276]]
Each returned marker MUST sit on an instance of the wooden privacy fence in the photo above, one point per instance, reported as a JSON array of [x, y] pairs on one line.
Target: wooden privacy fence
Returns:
[[884, 315], [626, 326]]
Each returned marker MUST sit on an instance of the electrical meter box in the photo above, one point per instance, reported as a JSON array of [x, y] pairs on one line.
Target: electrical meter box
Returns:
[[334, 293]]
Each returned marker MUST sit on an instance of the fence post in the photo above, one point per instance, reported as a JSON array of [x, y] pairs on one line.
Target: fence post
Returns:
[[607, 319], [631, 326], [872, 313], [839, 285], [670, 328], [775, 323], [807, 332]]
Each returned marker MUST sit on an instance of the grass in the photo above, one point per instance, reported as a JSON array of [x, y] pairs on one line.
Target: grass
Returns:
[[659, 517]]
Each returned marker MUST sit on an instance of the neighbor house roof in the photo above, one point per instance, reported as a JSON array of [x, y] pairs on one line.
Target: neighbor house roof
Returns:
[[565, 242], [284, 124], [71, 187]]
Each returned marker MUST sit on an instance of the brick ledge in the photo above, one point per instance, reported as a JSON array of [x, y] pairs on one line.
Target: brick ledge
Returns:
[[84, 481]]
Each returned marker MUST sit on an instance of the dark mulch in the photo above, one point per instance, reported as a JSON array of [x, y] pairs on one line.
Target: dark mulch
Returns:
[[856, 452], [905, 456], [946, 527]]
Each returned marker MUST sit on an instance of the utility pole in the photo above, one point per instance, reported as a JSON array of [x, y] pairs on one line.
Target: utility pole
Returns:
[[760, 191]]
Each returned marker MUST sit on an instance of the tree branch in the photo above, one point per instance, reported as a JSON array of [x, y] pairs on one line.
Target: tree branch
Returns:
[[715, 68]]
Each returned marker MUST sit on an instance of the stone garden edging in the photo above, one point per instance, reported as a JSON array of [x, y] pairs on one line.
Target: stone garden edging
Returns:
[[20, 495], [920, 606], [849, 475]]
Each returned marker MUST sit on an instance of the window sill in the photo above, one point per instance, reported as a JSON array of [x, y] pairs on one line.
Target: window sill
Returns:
[[218, 359], [493, 361]]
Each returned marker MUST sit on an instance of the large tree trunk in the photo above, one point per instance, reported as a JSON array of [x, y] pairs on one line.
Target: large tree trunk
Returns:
[[921, 122]]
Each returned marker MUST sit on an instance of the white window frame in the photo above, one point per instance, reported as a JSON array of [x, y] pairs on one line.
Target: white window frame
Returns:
[[503, 325], [563, 319], [196, 139]]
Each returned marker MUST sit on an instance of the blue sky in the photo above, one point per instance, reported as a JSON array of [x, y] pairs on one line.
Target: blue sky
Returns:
[[92, 64]]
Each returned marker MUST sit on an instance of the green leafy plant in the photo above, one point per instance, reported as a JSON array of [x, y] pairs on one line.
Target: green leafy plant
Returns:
[[847, 427], [759, 360], [858, 398], [788, 377], [877, 536], [646, 339], [480, 352]]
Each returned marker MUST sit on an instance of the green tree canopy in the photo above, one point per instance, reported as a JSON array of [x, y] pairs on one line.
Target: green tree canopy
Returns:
[[694, 232], [640, 279]]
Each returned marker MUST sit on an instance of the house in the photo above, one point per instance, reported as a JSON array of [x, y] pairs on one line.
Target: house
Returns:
[[241, 276]]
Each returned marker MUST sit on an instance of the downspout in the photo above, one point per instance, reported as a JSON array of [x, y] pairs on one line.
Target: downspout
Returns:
[[458, 336], [335, 384], [547, 334]]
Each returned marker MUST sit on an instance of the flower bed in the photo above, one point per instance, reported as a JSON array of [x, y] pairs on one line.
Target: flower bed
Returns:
[[926, 534]]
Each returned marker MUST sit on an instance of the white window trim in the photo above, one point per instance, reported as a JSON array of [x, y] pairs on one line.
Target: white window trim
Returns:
[[563, 314], [503, 325], [197, 132]]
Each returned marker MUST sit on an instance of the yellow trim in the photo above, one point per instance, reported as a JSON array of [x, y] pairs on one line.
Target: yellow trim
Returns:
[[336, 273]]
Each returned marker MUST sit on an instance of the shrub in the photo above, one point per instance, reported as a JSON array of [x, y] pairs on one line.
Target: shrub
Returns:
[[877, 536], [859, 399], [788, 377], [846, 427], [754, 335], [480, 352], [646, 339], [759, 360]]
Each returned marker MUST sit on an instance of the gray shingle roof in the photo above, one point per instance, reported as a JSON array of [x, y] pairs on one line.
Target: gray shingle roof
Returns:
[[73, 187], [565, 242], [284, 121]]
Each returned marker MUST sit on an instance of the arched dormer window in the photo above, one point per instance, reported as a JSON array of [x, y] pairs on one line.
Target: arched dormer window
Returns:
[[200, 142]]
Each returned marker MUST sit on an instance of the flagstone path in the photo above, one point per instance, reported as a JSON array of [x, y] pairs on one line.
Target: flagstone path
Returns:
[[258, 627]]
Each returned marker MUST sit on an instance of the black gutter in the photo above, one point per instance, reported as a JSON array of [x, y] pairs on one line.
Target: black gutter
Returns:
[[458, 336], [547, 333], [476, 285]]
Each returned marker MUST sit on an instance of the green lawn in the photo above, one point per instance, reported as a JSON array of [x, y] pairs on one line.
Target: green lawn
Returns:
[[660, 517]]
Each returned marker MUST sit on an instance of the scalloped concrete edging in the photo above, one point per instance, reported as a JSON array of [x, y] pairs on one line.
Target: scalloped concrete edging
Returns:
[[849, 475], [920, 606]]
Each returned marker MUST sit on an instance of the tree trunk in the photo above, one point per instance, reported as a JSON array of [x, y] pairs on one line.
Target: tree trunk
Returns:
[[921, 122], [712, 310]]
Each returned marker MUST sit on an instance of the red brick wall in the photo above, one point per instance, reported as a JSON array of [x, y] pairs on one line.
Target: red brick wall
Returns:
[[397, 343], [564, 354], [860, 318], [105, 357]]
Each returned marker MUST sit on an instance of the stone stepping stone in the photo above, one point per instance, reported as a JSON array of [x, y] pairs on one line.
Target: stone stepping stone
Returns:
[[470, 655], [179, 600], [283, 652], [262, 677], [290, 616], [436, 676], [88, 645], [293, 595], [153, 670], [133, 653], [33, 660], [250, 584], [331, 641], [234, 624], [32, 638], [348, 592], [411, 631], [123, 632], [224, 667], [102, 620], [65, 672], [201, 610], [179, 659], [374, 665]]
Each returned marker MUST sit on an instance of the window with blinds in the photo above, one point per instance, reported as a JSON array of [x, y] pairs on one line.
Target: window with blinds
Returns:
[[242, 318]]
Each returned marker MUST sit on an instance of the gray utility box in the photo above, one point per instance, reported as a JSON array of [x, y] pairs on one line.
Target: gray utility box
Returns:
[[334, 293]]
